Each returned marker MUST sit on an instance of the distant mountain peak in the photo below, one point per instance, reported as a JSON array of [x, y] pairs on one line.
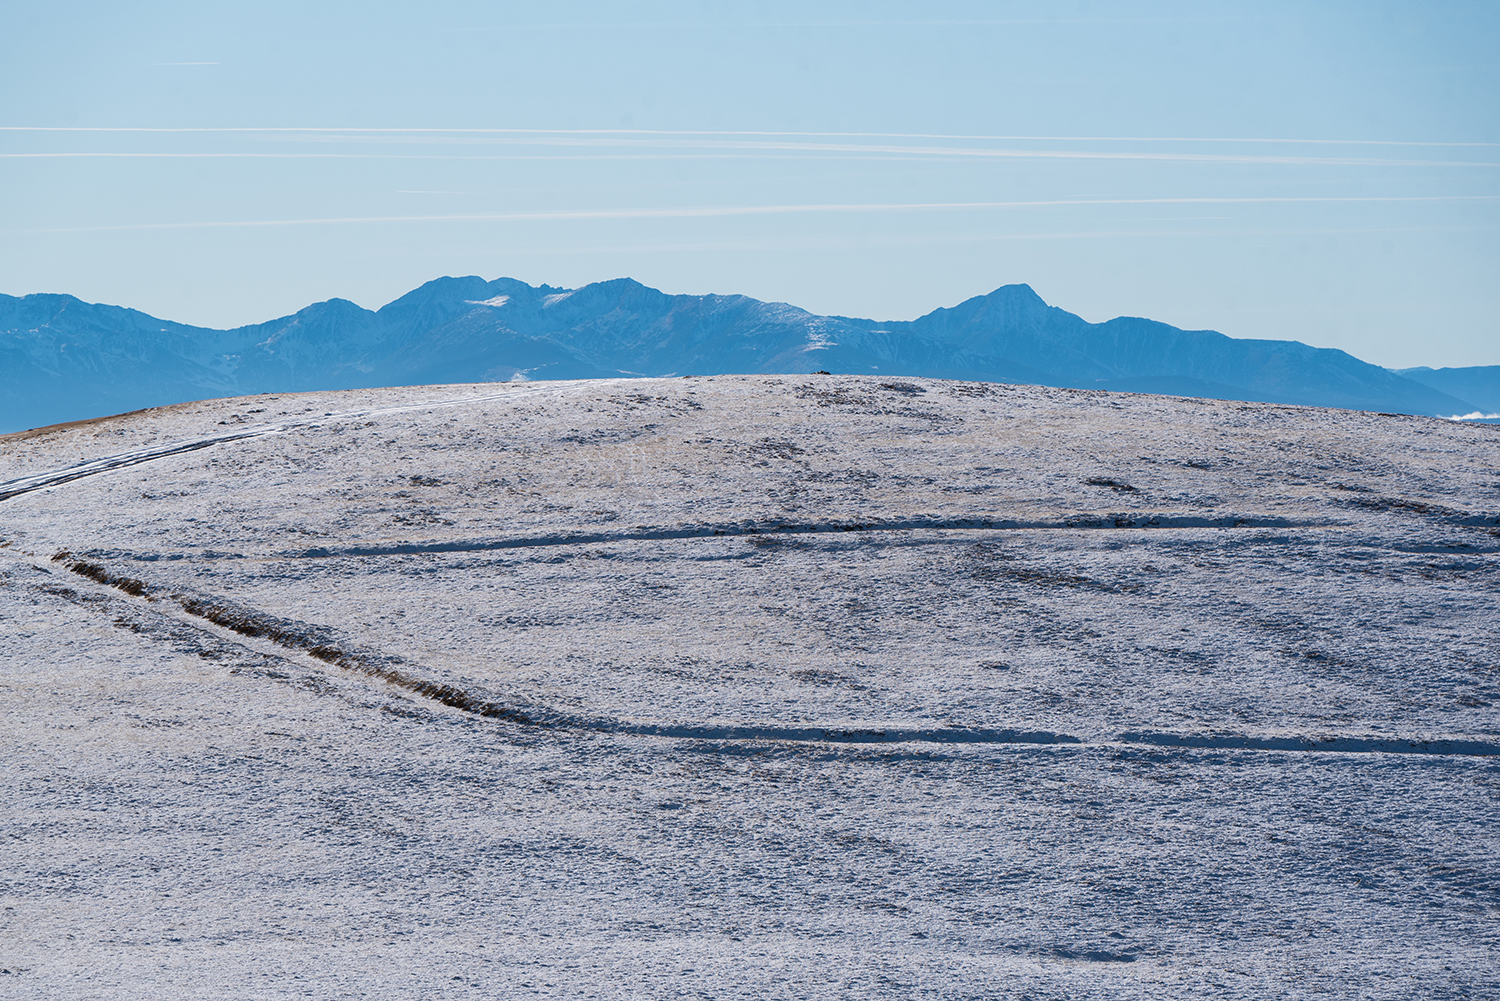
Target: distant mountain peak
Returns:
[[1019, 291], [66, 359]]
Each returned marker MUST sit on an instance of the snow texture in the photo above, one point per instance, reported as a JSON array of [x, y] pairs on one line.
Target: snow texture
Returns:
[[797, 686]]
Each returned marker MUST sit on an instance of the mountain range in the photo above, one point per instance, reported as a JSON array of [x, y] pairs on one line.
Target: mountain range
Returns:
[[64, 359]]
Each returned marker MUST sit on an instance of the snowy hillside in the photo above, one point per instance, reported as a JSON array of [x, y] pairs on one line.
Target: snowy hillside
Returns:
[[768, 686], [64, 359]]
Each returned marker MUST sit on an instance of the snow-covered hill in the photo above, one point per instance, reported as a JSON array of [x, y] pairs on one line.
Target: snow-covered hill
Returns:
[[762, 686], [64, 359]]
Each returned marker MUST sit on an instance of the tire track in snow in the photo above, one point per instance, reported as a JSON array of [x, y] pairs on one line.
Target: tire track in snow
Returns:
[[1348, 745], [753, 528], [57, 477], [323, 643], [92, 467], [746, 529]]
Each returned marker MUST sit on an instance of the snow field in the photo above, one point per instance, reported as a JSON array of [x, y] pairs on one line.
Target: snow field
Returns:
[[851, 598]]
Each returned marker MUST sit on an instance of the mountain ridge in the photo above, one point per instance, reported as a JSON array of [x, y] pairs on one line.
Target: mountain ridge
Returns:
[[67, 359], [1478, 384]]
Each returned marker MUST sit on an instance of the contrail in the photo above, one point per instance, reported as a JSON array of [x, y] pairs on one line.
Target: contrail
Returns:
[[746, 149], [710, 212], [725, 132]]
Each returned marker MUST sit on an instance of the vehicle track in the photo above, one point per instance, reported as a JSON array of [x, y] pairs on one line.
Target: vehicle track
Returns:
[[325, 644], [122, 460], [753, 528]]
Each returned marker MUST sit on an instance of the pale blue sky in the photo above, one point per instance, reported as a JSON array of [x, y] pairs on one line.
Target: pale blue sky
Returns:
[[1325, 172]]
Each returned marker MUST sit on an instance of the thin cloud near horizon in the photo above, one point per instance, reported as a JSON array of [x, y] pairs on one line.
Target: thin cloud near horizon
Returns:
[[709, 212], [922, 23], [718, 132], [749, 151]]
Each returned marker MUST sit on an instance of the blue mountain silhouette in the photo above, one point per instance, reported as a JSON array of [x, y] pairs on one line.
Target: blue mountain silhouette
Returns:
[[1479, 384], [64, 359]]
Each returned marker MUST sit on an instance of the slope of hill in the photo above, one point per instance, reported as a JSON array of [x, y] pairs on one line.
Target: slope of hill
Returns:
[[66, 360], [750, 687]]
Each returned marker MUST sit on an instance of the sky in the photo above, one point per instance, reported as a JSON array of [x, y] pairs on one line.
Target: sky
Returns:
[[1324, 172]]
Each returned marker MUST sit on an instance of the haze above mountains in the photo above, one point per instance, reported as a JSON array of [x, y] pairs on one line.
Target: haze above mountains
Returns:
[[66, 359]]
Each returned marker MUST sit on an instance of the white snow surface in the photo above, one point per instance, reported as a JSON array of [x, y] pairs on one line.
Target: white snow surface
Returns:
[[764, 686]]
